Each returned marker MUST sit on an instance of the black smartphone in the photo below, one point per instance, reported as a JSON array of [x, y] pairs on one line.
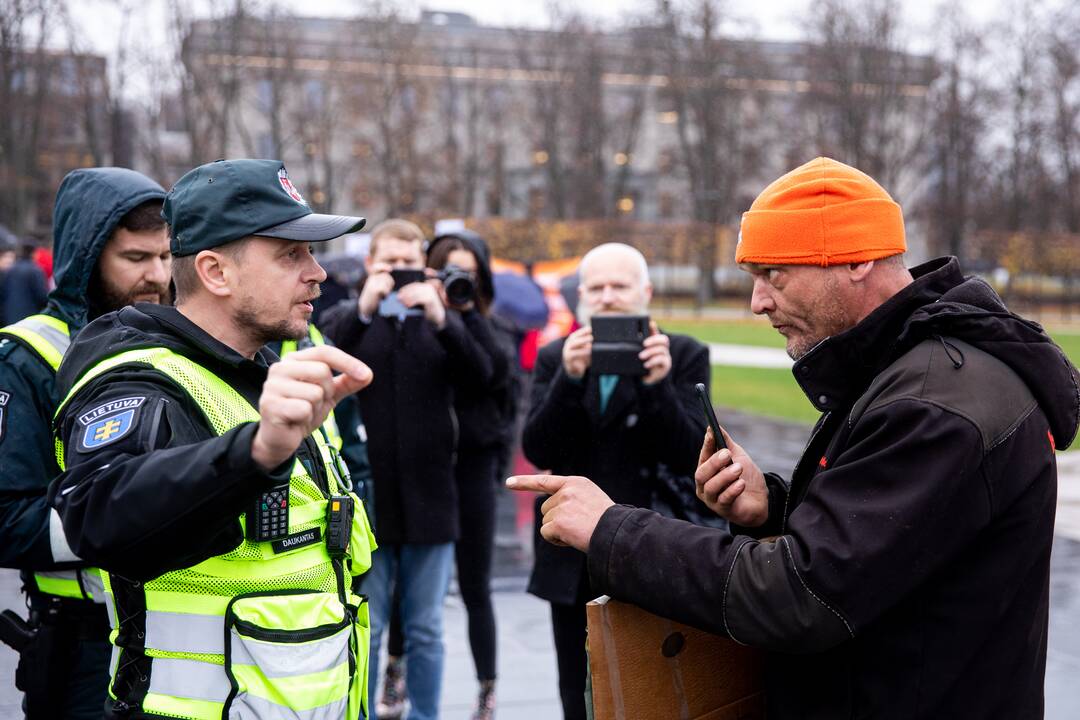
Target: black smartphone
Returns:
[[710, 415], [617, 342], [403, 277]]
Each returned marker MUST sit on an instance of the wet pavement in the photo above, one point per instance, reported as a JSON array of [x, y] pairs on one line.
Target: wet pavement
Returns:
[[527, 680]]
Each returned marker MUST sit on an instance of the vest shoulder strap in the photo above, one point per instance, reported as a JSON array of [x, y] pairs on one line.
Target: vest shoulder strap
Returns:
[[47, 336], [223, 406]]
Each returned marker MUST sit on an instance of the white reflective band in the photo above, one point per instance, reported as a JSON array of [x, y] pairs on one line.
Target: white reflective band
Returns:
[[58, 544], [246, 706], [55, 337], [189, 679], [93, 585], [276, 660], [185, 633], [68, 575]]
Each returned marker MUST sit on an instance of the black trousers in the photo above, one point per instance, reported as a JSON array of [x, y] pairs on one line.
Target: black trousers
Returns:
[[64, 673], [569, 627], [478, 486]]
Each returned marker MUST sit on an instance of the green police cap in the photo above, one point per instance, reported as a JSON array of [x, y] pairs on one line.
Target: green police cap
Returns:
[[227, 200]]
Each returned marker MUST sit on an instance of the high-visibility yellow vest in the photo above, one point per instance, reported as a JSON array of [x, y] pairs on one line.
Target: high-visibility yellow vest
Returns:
[[330, 426], [49, 338], [250, 633]]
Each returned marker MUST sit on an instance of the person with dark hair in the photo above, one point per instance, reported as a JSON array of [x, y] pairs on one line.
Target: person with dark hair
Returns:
[[111, 250], [484, 420], [198, 474], [424, 356]]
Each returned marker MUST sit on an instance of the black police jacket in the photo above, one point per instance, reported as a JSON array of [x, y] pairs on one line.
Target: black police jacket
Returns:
[[166, 493], [88, 205], [907, 574]]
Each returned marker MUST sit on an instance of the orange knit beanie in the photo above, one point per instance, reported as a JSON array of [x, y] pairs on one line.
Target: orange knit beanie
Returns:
[[822, 213]]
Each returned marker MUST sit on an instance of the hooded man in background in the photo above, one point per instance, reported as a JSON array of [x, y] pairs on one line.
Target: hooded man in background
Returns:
[[111, 250]]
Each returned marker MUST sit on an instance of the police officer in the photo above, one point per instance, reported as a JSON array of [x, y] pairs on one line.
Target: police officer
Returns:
[[198, 476], [111, 249]]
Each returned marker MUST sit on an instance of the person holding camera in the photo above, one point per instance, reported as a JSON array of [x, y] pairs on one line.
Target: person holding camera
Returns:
[[615, 426], [485, 419], [421, 354]]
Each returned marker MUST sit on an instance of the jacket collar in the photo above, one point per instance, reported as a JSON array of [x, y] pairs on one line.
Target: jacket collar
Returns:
[[841, 367], [193, 335]]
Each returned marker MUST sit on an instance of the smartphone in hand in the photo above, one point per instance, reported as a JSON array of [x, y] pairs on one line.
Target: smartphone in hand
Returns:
[[710, 415]]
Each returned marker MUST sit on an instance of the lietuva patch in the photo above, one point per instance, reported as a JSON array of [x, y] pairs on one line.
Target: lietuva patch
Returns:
[[4, 397], [108, 422]]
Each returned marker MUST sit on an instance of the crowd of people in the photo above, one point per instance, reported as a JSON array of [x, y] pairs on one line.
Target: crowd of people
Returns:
[[198, 479]]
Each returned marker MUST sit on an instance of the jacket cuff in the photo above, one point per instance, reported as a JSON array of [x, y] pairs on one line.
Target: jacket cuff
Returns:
[[239, 463], [566, 390], [601, 546]]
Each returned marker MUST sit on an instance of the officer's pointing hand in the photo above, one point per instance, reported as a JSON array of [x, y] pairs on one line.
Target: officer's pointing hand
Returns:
[[299, 393], [572, 512]]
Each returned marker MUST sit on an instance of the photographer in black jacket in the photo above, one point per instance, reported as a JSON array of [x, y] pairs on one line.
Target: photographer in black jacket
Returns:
[[422, 355], [614, 429]]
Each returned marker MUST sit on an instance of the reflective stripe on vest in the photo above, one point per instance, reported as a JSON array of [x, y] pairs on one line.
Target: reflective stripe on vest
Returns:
[[185, 610], [330, 426], [49, 337], [82, 584]]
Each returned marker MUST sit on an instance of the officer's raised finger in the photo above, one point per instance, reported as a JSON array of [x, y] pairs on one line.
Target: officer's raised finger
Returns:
[[286, 387], [345, 385], [549, 484], [337, 359]]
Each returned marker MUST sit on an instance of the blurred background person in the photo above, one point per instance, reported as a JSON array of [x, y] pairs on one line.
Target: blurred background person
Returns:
[[615, 429], [25, 288], [422, 355]]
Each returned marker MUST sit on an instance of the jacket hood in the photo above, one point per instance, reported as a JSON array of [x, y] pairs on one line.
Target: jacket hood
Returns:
[[942, 303], [480, 249], [88, 207]]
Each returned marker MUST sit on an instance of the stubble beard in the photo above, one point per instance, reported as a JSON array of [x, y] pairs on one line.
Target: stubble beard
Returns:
[[248, 319], [830, 317]]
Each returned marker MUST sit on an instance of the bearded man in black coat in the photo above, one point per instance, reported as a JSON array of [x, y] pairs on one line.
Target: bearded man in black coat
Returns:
[[616, 429]]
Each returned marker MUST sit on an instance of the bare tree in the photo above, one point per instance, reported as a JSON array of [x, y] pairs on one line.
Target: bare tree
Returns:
[[865, 89], [1063, 88], [706, 89], [959, 103]]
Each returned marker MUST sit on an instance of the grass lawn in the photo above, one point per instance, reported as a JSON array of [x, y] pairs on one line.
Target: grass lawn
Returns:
[[774, 392], [761, 391], [732, 332]]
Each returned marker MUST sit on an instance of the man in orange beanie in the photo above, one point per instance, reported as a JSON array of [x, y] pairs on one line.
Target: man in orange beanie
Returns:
[[903, 572]]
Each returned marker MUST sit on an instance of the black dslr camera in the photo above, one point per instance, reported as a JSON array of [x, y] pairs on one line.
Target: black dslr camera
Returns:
[[617, 342], [459, 285]]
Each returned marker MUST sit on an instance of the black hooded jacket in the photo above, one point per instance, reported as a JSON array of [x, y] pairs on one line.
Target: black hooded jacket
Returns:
[[88, 207], [904, 573], [166, 494], [484, 411]]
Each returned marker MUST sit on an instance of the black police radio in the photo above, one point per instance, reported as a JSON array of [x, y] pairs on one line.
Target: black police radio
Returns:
[[268, 517]]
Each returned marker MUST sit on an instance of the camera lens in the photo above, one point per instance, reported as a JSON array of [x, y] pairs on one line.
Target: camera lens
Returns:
[[460, 288]]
